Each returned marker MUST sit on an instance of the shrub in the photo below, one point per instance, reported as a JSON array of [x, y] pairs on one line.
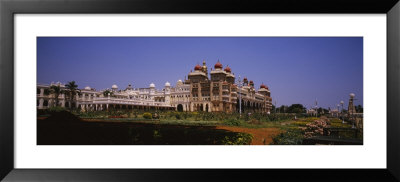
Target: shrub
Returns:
[[177, 116], [254, 121], [238, 139], [147, 115], [315, 128], [232, 122], [291, 137], [56, 109]]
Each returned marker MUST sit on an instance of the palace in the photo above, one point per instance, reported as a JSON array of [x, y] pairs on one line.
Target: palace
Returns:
[[199, 92]]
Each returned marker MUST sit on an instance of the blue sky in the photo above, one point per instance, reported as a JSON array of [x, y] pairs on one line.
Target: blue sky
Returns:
[[296, 69]]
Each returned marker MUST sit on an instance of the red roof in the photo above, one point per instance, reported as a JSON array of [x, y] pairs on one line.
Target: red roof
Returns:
[[227, 69], [218, 65], [264, 86], [197, 67]]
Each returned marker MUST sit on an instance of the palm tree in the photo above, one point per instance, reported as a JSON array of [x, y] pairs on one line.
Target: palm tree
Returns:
[[106, 92], [71, 91], [56, 90]]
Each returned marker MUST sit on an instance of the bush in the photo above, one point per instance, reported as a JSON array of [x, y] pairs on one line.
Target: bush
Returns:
[[232, 122], [177, 116], [316, 128], [291, 137], [56, 109], [254, 121], [147, 115], [238, 139], [62, 116]]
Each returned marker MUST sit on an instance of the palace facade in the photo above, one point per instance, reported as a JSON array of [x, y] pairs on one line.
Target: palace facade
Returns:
[[216, 91]]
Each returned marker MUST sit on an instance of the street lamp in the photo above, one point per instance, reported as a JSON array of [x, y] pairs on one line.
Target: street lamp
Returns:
[[338, 110], [341, 112]]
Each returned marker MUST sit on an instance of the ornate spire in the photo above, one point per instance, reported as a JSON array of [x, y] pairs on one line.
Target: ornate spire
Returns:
[[204, 67]]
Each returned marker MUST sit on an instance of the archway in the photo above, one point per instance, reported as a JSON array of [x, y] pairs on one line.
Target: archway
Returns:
[[46, 103], [180, 108], [206, 107]]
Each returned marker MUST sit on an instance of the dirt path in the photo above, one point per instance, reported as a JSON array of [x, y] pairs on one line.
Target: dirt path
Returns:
[[262, 136]]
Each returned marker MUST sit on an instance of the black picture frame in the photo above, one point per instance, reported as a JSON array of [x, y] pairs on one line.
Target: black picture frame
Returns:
[[8, 8]]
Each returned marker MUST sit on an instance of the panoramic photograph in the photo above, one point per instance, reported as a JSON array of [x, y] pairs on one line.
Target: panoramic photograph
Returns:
[[199, 91]]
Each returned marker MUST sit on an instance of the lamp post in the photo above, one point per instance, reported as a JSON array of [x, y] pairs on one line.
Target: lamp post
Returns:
[[338, 110], [341, 112]]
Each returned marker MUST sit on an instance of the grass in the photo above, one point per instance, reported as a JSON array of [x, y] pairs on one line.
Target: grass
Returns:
[[292, 131], [337, 123]]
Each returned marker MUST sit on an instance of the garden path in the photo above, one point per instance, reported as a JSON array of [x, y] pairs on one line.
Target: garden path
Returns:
[[261, 136]]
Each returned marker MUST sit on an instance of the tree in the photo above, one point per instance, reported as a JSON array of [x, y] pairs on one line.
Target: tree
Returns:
[[296, 108], [46, 91], [273, 109], [322, 110], [71, 91], [56, 90], [283, 109], [106, 92], [359, 109]]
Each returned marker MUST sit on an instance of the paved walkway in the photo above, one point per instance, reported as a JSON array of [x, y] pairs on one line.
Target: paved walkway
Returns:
[[261, 136]]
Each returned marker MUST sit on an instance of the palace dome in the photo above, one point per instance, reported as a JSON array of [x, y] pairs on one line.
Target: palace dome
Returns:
[[197, 67], [114, 86], [227, 69], [167, 84], [264, 86], [87, 88], [152, 85], [352, 95], [251, 82], [218, 65], [245, 79]]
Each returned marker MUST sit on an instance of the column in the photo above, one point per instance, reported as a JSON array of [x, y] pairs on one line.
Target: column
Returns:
[[41, 103], [41, 93], [76, 100]]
